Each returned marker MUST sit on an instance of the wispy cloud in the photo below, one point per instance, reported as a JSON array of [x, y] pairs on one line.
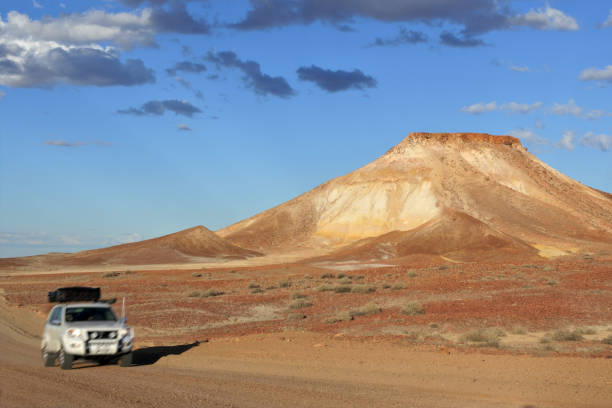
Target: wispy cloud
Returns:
[[517, 68], [512, 107], [479, 108], [546, 19], [567, 140], [63, 143], [596, 74], [527, 135], [36, 4], [262, 84], [186, 66], [183, 127], [404, 37], [572, 109], [608, 22], [335, 81], [600, 141], [158, 108]]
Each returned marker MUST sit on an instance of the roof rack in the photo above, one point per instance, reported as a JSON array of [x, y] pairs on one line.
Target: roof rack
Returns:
[[75, 294]]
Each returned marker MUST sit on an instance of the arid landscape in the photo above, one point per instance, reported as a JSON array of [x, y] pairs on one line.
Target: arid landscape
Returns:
[[455, 270]]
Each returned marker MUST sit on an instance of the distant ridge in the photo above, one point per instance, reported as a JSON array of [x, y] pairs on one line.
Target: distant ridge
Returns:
[[190, 245]]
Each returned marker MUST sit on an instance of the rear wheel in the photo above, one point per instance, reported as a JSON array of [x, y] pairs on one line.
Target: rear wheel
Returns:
[[65, 360], [48, 357], [125, 360]]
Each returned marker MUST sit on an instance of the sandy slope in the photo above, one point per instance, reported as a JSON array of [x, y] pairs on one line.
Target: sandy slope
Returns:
[[294, 369]]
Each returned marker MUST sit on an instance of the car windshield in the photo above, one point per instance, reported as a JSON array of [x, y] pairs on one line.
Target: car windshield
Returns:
[[82, 314]]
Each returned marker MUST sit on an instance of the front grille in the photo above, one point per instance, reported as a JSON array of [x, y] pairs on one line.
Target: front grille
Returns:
[[101, 334]]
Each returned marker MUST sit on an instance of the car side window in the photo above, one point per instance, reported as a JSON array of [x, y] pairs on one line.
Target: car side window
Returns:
[[56, 315]]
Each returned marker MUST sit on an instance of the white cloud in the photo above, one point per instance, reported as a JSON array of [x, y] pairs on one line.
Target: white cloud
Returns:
[[546, 19], [608, 22], [567, 140], [521, 107], [527, 135], [124, 29], [517, 68], [36, 4], [596, 74], [183, 127], [569, 109], [479, 108], [602, 142]]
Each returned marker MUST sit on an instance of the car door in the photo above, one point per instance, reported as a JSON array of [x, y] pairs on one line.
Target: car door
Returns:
[[53, 329]]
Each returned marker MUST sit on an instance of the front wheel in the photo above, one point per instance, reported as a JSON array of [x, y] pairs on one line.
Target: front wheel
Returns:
[[125, 360], [48, 357], [65, 360]]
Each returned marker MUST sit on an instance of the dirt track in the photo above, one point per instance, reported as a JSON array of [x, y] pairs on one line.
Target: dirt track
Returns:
[[294, 369]]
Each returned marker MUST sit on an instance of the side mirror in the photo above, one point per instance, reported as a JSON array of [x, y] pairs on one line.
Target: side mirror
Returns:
[[55, 322]]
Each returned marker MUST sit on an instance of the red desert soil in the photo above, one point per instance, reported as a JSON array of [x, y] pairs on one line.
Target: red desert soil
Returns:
[[254, 345]]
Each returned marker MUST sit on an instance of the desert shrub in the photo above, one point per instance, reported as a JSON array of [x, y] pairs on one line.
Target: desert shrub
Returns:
[[128, 272], [443, 267], [297, 295], [339, 317], [359, 277], [345, 281], [519, 330], [254, 285], [326, 288], [308, 277], [299, 304], [567, 335], [398, 286], [363, 289], [586, 330], [328, 276], [296, 316], [284, 284], [195, 293], [483, 337], [342, 289], [368, 309], [386, 285], [211, 293], [341, 275], [256, 291], [111, 275], [607, 340], [196, 275], [413, 309], [552, 282]]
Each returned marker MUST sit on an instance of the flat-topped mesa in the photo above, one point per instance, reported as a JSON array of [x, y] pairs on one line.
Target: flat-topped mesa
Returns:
[[420, 138]]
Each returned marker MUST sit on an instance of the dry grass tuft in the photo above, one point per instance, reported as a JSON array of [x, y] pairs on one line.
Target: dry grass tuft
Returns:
[[567, 335], [483, 337], [368, 309], [339, 317], [299, 304], [413, 309], [363, 289], [398, 286]]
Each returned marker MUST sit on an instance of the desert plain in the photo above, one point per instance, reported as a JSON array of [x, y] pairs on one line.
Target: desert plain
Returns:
[[455, 271]]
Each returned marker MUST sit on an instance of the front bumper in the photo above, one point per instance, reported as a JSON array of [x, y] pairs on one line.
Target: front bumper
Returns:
[[94, 348]]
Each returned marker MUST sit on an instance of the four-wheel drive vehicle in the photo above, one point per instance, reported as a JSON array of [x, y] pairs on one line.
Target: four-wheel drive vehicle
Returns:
[[84, 330]]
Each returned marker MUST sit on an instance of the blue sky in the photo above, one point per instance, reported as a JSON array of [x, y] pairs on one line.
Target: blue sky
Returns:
[[122, 120]]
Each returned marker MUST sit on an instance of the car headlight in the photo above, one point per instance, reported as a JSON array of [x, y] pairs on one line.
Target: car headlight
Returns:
[[74, 332], [124, 331]]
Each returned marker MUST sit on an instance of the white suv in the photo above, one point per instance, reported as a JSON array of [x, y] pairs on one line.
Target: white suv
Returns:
[[87, 330]]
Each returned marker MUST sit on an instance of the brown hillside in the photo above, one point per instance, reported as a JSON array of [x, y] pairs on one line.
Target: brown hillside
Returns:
[[491, 179], [193, 244]]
